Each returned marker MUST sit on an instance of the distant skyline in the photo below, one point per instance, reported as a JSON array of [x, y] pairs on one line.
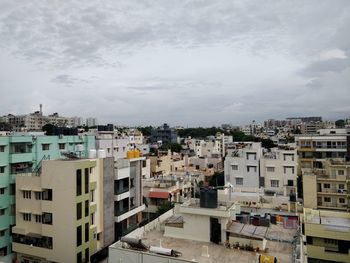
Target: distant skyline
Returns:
[[189, 63]]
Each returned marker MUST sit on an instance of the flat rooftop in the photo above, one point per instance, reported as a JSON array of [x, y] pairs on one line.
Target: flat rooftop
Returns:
[[192, 250], [329, 221]]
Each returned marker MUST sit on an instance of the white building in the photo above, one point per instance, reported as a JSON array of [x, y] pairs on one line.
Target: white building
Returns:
[[278, 167], [91, 122], [242, 165]]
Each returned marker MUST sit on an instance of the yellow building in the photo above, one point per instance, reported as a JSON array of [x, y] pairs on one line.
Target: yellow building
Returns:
[[328, 188], [61, 215], [326, 236]]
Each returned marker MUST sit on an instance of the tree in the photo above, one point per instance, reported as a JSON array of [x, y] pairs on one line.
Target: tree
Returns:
[[267, 143], [49, 129], [174, 147], [146, 131], [166, 206], [4, 126], [340, 124]]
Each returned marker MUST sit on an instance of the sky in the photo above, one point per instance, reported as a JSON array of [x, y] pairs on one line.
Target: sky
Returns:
[[189, 62]]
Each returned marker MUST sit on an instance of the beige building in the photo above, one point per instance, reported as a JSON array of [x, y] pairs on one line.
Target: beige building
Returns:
[[328, 187], [61, 212], [161, 164], [326, 236], [278, 167]]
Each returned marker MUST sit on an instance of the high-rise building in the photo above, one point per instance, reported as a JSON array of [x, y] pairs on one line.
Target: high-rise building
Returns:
[[63, 211], [23, 154], [164, 135]]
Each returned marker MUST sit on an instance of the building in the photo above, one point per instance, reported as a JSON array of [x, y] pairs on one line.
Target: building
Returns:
[[329, 187], [128, 193], [164, 135], [311, 127], [112, 143], [91, 122], [278, 167], [326, 236], [242, 165], [23, 154], [161, 164], [63, 211]]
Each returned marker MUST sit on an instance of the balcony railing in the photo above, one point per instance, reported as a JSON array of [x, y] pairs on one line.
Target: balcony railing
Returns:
[[36, 241]]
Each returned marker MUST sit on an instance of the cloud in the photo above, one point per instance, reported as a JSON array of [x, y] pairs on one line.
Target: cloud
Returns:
[[182, 62]]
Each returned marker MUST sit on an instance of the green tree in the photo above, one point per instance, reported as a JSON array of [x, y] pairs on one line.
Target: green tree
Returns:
[[166, 206], [217, 179], [267, 143], [174, 147], [146, 131], [49, 129]]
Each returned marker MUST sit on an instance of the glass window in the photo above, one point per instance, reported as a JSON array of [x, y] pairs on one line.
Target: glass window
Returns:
[[79, 236], [78, 182], [239, 181], [79, 211]]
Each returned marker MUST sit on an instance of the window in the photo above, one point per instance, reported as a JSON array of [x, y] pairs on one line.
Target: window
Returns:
[[86, 232], [27, 217], [79, 257], [331, 241], [288, 167], [341, 200], [326, 185], [92, 219], [274, 183], [38, 195], [12, 189], [2, 233], [132, 182], [251, 168], [234, 167], [61, 146], [87, 259], [47, 195], [47, 218], [2, 148], [78, 182], [87, 208], [92, 195], [3, 251], [2, 191], [86, 180], [79, 212], [45, 146], [27, 194], [251, 154], [327, 199], [290, 183], [341, 186], [270, 169], [38, 218], [239, 181], [79, 238], [340, 172], [2, 169]]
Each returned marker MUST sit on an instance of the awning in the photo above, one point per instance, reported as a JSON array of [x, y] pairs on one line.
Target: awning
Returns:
[[163, 195]]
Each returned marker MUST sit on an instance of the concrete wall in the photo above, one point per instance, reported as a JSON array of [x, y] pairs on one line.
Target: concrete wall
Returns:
[[108, 206]]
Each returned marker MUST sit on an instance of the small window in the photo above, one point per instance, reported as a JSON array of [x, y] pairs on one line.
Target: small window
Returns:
[[274, 183], [79, 236], [38, 195], [2, 211], [2, 191], [2, 169], [27, 217], [239, 181], [87, 258], [2, 233], [45, 146], [79, 212], [132, 182], [47, 218], [92, 195], [13, 210], [27, 194], [86, 232], [86, 180], [38, 218], [92, 219], [61, 146], [341, 186], [340, 172], [78, 182], [326, 185], [290, 183], [87, 208], [234, 167], [2, 148], [341, 200], [327, 199], [79, 257], [12, 189], [270, 169]]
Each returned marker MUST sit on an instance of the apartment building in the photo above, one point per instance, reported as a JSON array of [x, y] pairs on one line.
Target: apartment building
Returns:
[[112, 143], [328, 143], [161, 164], [278, 167], [128, 193], [64, 212], [326, 236], [242, 165], [164, 135], [90, 122], [311, 127], [209, 148], [329, 187], [23, 154]]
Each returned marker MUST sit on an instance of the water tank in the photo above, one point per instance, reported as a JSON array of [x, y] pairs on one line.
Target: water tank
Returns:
[[136, 153], [101, 154], [208, 198], [80, 148], [130, 154], [92, 153]]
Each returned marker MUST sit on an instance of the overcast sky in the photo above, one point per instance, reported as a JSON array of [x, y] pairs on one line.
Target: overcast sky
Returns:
[[190, 63]]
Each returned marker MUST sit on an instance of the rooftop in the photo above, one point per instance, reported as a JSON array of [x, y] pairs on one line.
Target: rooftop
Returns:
[[193, 250]]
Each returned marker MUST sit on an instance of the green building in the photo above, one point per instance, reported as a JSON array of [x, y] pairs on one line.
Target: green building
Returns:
[[23, 154]]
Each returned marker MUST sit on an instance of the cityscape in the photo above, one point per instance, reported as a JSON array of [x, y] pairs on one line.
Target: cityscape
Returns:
[[175, 131]]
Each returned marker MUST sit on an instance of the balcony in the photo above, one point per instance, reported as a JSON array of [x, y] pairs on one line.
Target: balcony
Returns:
[[21, 157]]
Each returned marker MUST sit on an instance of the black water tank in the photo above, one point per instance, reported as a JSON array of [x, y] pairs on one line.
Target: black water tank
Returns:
[[208, 198]]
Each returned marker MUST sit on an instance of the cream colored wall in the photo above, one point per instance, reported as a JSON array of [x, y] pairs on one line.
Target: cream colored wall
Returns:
[[310, 191]]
